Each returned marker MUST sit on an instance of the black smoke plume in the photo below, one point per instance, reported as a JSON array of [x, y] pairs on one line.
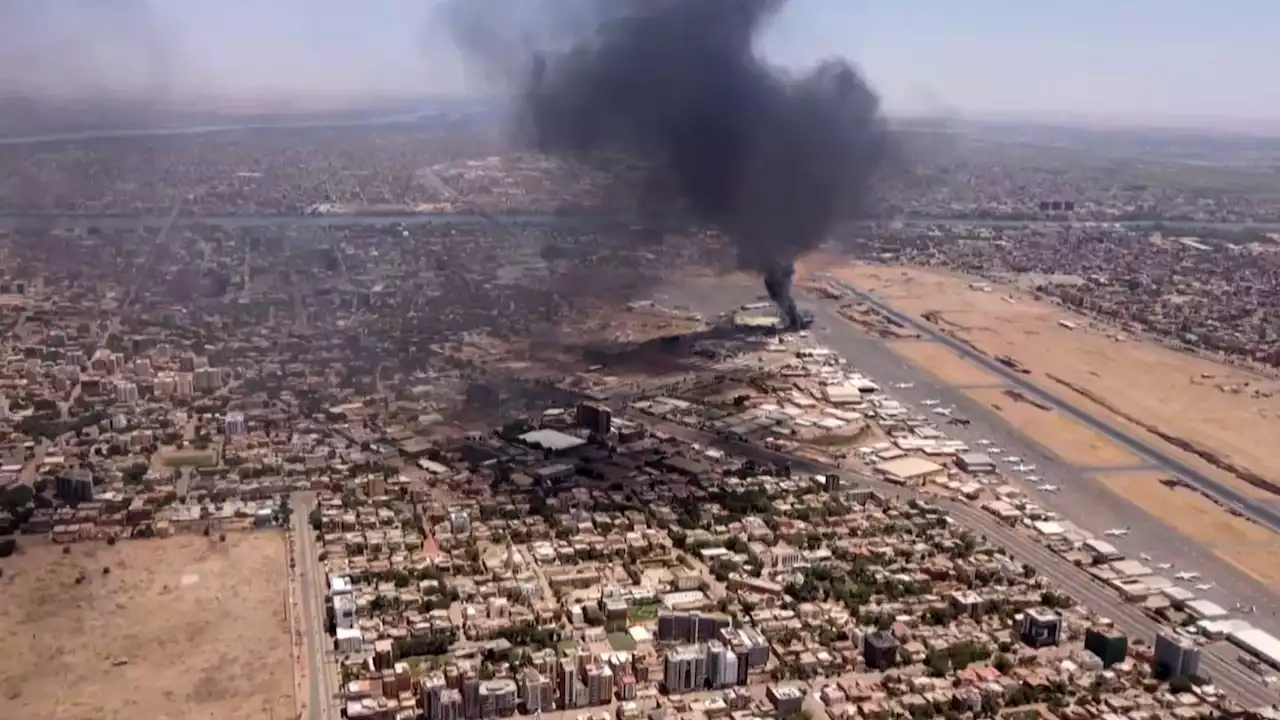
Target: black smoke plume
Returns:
[[769, 158]]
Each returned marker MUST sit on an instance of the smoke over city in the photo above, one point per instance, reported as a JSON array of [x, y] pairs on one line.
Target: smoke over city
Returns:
[[769, 158]]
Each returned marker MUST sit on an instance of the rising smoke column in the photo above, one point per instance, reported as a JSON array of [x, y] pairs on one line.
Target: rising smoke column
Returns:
[[771, 159]]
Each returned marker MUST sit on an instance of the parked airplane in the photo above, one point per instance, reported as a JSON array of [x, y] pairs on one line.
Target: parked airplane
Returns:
[[1034, 478], [904, 385], [1048, 488], [1012, 459], [930, 402], [984, 441], [943, 411], [1023, 468], [1144, 557], [1164, 566], [1206, 586], [1117, 532], [1187, 575]]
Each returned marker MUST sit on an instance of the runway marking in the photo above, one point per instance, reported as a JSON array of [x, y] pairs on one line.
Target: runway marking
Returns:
[[1250, 547], [1066, 438], [944, 364]]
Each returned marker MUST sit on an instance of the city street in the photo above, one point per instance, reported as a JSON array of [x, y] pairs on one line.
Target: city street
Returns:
[[322, 673]]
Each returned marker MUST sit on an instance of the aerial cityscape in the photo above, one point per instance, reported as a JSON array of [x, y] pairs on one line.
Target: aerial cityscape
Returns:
[[419, 415]]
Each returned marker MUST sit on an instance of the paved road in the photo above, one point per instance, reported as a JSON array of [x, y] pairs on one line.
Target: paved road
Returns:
[[322, 703], [1239, 683], [1264, 513]]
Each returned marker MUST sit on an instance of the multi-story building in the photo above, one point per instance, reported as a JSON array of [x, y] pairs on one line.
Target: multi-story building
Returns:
[[599, 684], [690, 627], [1039, 627], [573, 693], [234, 424], [450, 705], [75, 486], [722, 665], [126, 392], [686, 669], [1175, 656], [537, 691], [880, 650], [496, 698]]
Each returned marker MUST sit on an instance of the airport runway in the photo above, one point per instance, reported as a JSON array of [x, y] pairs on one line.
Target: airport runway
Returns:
[[1080, 499], [1264, 513], [322, 702]]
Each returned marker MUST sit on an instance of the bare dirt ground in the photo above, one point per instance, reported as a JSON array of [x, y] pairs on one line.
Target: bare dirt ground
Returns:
[[943, 364], [1193, 407], [182, 627], [1063, 436], [1236, 540]]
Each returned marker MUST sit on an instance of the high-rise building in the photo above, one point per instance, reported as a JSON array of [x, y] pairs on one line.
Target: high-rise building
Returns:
[[686, 669], [234, 425], [596, 418], [206, 379], [1175, 656], [126, 392], [1039, 627], [690, 627], [599, 685], [880, 650], [74, 487], [1110, 645], [182, 385], [722, 665]]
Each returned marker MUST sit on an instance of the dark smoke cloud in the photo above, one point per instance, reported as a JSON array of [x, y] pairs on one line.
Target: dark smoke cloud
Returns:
[[771, 159]]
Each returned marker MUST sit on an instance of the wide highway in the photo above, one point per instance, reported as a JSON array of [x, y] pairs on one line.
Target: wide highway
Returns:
[[322, 678]]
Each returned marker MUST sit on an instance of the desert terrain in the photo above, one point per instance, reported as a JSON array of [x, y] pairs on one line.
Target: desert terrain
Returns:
[[183, 627], [1225, 418], [1246, 545], [944, 364], [1061, 435]]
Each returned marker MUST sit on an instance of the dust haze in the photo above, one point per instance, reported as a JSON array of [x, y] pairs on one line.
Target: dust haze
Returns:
[[224, 54]]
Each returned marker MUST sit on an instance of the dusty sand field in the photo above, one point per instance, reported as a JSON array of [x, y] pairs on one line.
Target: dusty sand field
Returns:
[[201, 624], [1251, 548], [1061, 435], [943, 364], [1175, 393]]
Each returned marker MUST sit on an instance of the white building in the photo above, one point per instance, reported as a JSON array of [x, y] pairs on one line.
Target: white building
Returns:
[[183, 385], [126, 392], [234, 424]]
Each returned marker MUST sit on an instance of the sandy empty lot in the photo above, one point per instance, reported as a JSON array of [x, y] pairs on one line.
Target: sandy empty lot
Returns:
[[943, 363], [1175, 393], [1250, 547], [1061, 435], [182, 627]]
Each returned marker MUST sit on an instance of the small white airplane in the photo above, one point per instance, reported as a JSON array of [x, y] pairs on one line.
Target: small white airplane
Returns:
[[943, 411], [1033, 478], [984, 441], [1206, 586], [1117, 532], [1164, 566], [1048, 488], [930, 402], [1024, 468], [904, 385], [1144, 557], [1012, 459], [1187, 575], [994, 451]]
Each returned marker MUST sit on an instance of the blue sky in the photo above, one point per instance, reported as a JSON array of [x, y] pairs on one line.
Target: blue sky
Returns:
[[1132, 58]]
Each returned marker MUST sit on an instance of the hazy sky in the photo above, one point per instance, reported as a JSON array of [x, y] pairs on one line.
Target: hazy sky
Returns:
[[1145, 58]]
